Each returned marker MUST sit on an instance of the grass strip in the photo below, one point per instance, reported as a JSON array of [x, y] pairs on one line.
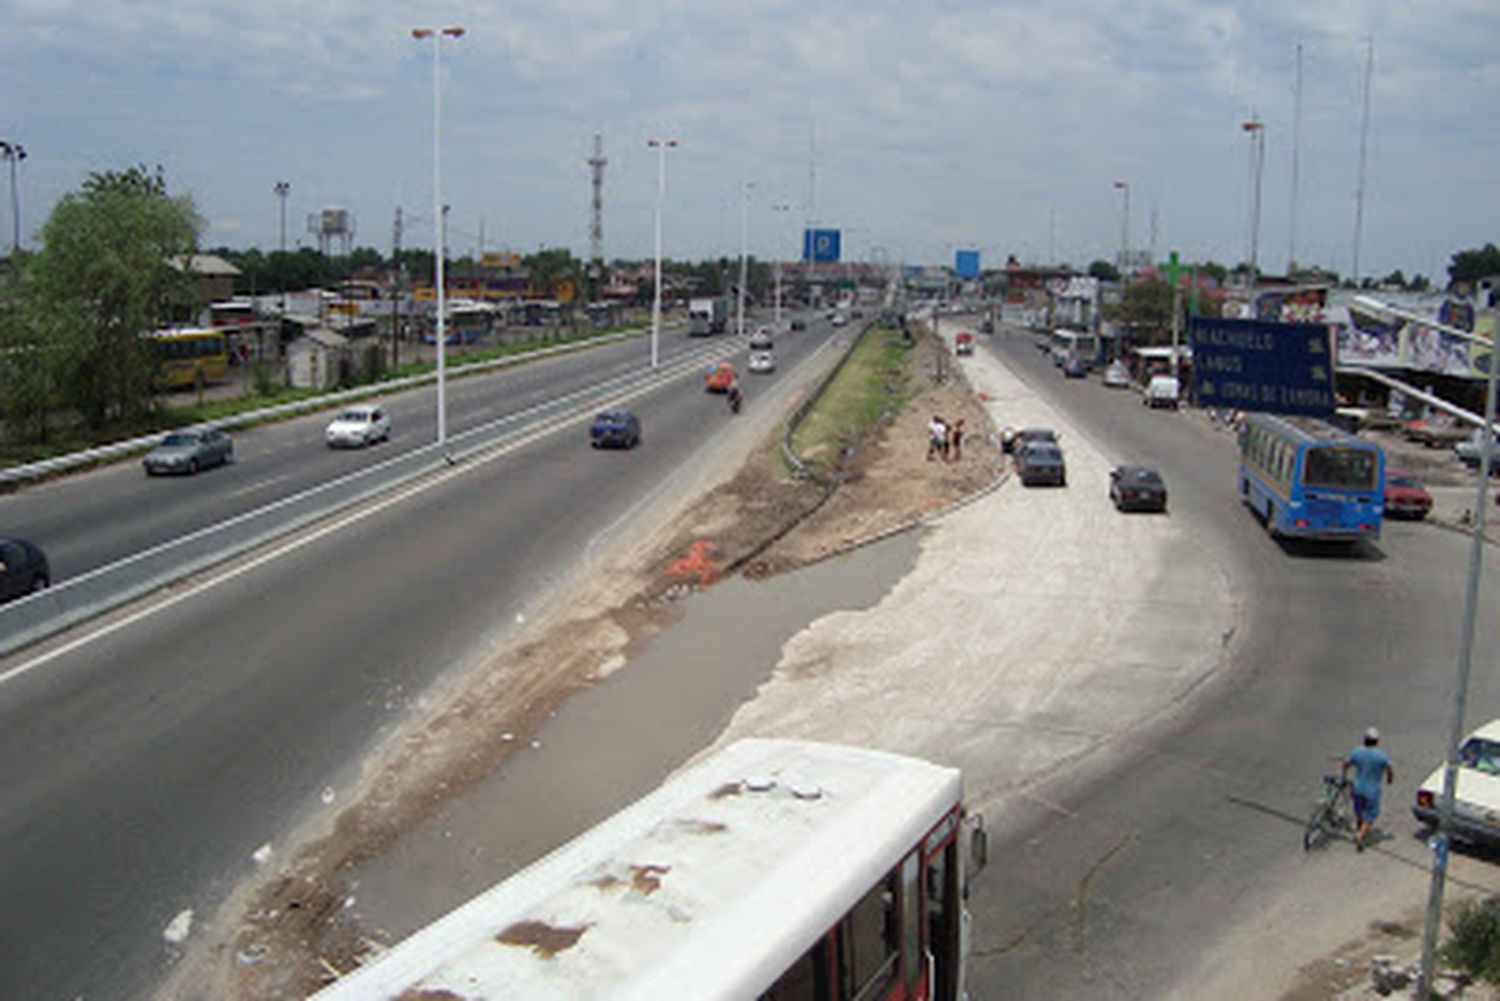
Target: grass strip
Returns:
[[869, 390]]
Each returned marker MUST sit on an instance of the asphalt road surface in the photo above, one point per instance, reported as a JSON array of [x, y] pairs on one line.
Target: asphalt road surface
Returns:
[[140, 770], [88, 520], [1139, 881]]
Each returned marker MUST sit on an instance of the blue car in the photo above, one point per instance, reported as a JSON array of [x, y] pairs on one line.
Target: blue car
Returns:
[[615, 429]]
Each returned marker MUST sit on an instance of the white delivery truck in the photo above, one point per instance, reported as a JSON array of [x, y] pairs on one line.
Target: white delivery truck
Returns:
[[707, 315]]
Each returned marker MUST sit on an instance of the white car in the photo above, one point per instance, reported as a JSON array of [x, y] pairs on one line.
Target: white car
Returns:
[[839, 319], [357, 426], [762, 361], [1476, 798], [1117, 376]]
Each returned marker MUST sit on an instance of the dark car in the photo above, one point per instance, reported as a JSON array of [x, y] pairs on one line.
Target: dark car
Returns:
[[23, 569], [615, 429], [1074, 368], [798, 324], [1041, 462], [189, 451], [1137, 488], [1031, 436], [1405, 497]]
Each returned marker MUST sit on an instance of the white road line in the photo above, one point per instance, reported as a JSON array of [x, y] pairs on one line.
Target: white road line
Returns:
[[340, 522]]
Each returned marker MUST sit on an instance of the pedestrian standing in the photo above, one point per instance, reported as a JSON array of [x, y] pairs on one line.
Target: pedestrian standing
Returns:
[[956, 441], [937, 437], [1370, 765]]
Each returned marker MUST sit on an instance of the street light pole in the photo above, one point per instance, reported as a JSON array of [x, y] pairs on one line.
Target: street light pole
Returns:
[[1124, 188], [744, 251], [439, 216], [282, 189], [15, 153], [1257, 130], [1443, 838], [661, 146], [779, 208]]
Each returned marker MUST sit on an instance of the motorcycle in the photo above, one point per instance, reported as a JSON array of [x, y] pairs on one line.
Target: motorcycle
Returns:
[[735, 399]]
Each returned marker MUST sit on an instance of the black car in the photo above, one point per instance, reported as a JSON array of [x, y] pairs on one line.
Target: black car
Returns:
[[799, 325], [1074, 368], [1137, 488], [1041, 462], [615, 429], [23, 569], [1031, 436]]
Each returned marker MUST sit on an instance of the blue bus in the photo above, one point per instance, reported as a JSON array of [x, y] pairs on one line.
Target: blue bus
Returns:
[[1310, 480]]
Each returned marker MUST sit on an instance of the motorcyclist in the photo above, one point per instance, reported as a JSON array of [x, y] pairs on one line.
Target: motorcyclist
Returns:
[[734, 396]]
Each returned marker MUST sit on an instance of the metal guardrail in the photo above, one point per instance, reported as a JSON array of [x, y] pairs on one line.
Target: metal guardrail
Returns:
[[52, 610], [74, 460], [800, 469]]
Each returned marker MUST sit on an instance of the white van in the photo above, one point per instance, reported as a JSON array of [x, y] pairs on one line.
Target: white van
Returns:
[[1162, 391]]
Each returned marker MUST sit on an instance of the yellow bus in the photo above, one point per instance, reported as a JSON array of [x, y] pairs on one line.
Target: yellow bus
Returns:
[[187, 358]]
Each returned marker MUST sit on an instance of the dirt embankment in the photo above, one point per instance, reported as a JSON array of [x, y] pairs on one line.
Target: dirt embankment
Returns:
[[287, 933]]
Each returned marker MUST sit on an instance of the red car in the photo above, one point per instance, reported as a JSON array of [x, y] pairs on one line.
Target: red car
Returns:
[[963, 344], [1405, 497], [719, 378]]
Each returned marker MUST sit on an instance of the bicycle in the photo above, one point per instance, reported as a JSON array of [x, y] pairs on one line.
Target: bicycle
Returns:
[[1333, 813]]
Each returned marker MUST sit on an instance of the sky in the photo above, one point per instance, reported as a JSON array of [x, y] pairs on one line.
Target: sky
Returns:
[[916, 128]]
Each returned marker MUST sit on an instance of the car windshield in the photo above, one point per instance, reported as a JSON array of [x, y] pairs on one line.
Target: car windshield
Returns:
[[1043, 453], [1481, 755], [355, 416], [1142, 477], [1340, 466], [1403, 481], [178, 438]]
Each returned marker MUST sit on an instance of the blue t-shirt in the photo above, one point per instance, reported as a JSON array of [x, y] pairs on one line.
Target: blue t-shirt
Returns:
[[1369, 765]]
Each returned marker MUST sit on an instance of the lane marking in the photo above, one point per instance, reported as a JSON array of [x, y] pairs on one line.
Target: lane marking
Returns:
[[474, 461]]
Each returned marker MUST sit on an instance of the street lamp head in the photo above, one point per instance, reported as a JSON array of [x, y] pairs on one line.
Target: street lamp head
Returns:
[[656, 143], [421, 32], [1253, 125], [1123, 185], [454, 31]]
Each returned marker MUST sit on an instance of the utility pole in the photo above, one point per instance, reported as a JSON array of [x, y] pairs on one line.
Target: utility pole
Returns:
[[1364, 135], [596, 218], [398, 274], [1291, 254], [282, 189], [15, 153], [1257, 132]]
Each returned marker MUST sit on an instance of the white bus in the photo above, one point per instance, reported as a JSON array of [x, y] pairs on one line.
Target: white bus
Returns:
[[775, 869]]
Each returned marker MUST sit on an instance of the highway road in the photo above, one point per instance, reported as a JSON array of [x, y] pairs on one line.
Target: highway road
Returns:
[[85, 521], [1136, 879], [141, 767]]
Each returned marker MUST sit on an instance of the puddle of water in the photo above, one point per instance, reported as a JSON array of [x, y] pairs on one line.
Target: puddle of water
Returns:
[[614, 742]]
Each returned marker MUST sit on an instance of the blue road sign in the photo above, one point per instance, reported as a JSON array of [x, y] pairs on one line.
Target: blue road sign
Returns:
[[820, 246], [966, 263], [1281, 368]]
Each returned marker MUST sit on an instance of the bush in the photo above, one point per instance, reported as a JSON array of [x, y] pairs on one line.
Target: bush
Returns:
[[1474, 947]]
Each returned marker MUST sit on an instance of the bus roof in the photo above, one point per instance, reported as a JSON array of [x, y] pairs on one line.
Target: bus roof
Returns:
[[711, 886], [1306, 429]]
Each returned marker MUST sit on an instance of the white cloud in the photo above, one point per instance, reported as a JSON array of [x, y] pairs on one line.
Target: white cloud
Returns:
[[958, 121]]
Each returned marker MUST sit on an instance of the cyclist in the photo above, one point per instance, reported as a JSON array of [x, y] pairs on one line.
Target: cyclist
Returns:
[[1370, 764]]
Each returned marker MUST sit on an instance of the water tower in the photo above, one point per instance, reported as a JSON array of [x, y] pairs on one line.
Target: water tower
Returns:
[[334, 228]]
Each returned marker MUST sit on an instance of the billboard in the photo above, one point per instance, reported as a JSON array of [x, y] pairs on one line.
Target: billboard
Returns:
[[966, 263], [1378, 342], [820, 246], [1281, 368]]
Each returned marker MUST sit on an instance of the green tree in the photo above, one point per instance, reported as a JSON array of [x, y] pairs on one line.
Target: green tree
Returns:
[[1104, 271], [111, 268], [1214, 270], [1469, 266], [1144, 309], [551, 267]]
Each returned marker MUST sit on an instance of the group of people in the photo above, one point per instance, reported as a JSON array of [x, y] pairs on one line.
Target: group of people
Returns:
[[944, 441]]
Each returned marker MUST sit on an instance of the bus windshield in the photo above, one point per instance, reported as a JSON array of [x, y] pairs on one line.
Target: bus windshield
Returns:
[[1340, 467]]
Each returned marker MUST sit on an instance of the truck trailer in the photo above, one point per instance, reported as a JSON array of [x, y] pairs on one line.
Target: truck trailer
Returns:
[[707, 315]]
